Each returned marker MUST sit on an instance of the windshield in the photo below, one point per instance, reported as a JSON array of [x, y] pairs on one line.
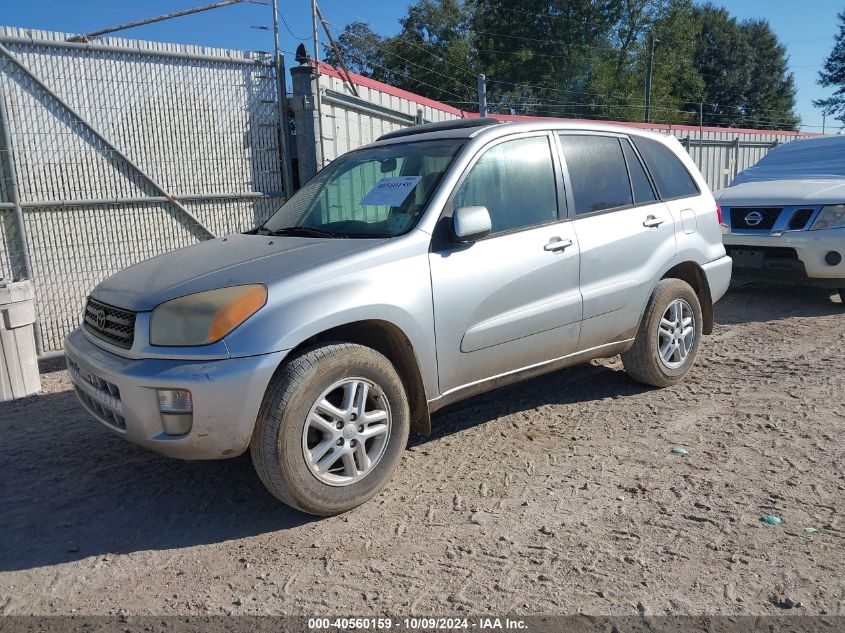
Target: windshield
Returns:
[[377, 192]]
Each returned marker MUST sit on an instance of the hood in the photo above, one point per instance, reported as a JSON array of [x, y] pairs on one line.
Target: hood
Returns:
[[819, 158], [229, 261], [783, 193]]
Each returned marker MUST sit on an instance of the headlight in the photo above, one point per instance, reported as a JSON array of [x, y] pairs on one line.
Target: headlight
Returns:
[[205, 317], [831, 217]]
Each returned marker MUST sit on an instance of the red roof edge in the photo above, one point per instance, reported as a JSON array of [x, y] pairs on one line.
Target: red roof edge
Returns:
[[367, 82]]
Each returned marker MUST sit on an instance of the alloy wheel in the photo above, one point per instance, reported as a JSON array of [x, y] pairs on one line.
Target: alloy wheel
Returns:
[[347, 431], [676, 334]]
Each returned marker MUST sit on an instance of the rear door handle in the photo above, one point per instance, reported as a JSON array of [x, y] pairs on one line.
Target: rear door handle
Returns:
[[557, 244], [653, 222]]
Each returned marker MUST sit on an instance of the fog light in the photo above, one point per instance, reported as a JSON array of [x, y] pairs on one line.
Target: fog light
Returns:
[[177, 423], [175, 401], [833, 258], [176, 406]]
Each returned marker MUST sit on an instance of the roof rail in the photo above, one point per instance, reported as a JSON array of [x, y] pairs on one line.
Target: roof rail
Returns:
[[440, 126]]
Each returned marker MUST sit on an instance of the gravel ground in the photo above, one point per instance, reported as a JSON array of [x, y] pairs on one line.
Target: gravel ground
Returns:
[[558, 495]]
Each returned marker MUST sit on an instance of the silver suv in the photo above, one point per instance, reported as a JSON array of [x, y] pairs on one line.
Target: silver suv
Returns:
[[437, 263]]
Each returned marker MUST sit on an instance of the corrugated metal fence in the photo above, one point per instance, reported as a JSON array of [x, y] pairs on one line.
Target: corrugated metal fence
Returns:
[[349, 121], [116, 151]]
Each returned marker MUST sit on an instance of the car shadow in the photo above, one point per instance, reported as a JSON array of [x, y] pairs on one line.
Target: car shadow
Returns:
[[747, 302], [580, 383], [69, 489]]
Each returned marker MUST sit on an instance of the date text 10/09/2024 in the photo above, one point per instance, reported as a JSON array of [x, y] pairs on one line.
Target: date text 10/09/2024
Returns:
[[418, 624]]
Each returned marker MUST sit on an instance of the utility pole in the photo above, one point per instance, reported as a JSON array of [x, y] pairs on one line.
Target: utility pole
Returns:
[[282, 98], [824, 120], [482, 95], [649, 73], [337, 51]]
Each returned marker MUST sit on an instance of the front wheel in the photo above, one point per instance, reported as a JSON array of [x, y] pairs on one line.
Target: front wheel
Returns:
[[331, 429], [669, 335]]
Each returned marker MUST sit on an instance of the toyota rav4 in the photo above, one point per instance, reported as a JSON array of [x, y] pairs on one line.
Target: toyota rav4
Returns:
[[437, 263]]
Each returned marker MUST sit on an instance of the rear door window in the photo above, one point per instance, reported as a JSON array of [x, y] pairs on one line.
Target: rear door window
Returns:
[[597, 172], [671, 177], [643, 192]]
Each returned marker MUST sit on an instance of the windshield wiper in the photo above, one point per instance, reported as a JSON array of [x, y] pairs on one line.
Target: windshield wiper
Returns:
[[303, 230]]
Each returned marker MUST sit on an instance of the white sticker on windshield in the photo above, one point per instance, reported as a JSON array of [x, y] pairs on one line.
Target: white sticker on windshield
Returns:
[[391, 191]]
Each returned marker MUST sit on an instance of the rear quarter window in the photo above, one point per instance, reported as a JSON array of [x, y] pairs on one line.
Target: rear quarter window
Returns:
[[669, 174]]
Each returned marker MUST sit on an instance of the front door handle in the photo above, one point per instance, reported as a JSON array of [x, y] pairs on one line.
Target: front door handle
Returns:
[[557, 244], [653, 222]]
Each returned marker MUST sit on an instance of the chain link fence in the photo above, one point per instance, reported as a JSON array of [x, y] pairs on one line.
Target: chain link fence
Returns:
[[116, 151]]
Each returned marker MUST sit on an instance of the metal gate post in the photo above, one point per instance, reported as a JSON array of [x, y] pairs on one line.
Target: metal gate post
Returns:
[[736, 158], [305, 117], [21, 266], [284, 130], [19, 259]]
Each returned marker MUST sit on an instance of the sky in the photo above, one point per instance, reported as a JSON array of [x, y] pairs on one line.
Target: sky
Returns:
[[806, 28]]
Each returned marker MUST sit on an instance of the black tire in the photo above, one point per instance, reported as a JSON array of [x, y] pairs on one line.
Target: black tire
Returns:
[[642, 361], [277, 440]]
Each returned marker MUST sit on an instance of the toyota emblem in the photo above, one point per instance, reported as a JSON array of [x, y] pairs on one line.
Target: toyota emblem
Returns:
[[754, 218], [99, 317]]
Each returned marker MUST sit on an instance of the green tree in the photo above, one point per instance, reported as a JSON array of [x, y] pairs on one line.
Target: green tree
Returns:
[[619, 80], [360, 48], [587, 58], [744, 70], [432, 54], [833, 76], [771, 93], [539, 57], [722, 54]]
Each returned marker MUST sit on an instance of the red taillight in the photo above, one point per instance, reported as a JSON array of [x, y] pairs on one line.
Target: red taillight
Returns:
[[719, 213]]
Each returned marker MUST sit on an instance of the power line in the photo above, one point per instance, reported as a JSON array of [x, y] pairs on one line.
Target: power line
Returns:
[[394, 54], [391, 70], [414, 44], [547, 41], [288, 29]]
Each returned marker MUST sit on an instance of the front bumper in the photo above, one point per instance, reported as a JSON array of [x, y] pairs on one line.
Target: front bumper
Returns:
[[794, 257], [121, 394]]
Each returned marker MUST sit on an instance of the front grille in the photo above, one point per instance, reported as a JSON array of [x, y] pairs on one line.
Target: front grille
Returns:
[[113, 325], [800, 219], [744, 218], [99, 396]]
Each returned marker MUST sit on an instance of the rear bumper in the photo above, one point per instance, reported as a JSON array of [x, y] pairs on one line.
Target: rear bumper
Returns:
[[718, 274], [796, 257], [121, 394]]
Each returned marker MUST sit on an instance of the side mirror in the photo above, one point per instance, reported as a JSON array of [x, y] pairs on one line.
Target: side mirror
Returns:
[[470, 224]]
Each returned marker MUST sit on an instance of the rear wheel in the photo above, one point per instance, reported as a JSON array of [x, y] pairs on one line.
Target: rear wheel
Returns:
[[331, 429], [668, 337]]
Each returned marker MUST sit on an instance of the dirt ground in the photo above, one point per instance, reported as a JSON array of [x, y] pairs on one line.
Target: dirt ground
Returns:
[[560, 495]]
